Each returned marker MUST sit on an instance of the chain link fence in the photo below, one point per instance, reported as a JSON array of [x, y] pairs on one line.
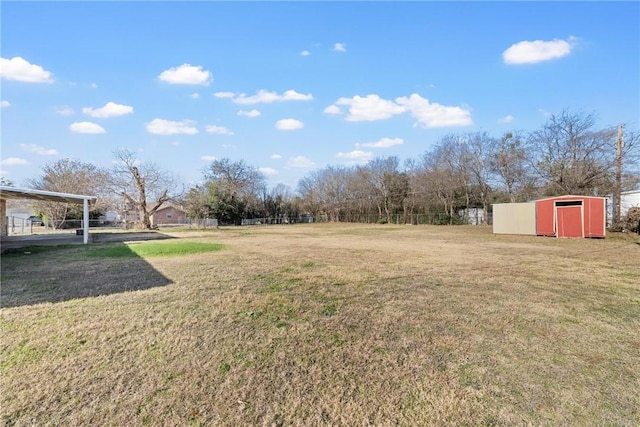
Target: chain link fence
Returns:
[[34, 225]]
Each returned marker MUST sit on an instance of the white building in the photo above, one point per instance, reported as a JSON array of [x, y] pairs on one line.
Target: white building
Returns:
[[628, 200], [473, 216]]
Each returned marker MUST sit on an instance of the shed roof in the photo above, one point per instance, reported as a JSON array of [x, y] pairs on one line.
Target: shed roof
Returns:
[[53, 196], [569, 196]]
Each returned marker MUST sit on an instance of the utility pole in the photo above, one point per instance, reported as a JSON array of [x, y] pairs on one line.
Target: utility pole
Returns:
[[618, 195]]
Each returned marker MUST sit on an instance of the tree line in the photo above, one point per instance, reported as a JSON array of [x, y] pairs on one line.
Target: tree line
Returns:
[[567, 155]]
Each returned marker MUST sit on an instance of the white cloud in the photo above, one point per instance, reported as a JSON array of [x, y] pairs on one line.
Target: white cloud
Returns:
[[14, 161], [111, 109], [357, 156], [219, 130], [292, 95], [170, 127], [224, 94], [5, 104], [289, 124], [64, 110], [38, 149], [305, 53], [532, 52], [252, 113], [506, 119], [266, 97], [382, 143], [93, 86], [86, 127], [268, 171], [340, 47], [369, 108], [300, 162], [209, 158], [20, 70], [195, 95], [186, 74], [332, 109], [433, 115], [428, 115], [276, 156]]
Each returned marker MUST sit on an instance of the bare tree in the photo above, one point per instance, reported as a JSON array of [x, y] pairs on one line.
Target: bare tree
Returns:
[[448, 175], [630, 159], [572, 156], [144, 186], [385, 185], [478, 158], [567, 155], [326, 191], [310, 194], [440, 181], [69, 176], [510, 164], [396, 191]]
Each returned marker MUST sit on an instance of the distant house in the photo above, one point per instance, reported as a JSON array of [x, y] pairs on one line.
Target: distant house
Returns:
[[129, 215], [108, 217], [17, 219], [169, 214], [20, 213], [472, 216]]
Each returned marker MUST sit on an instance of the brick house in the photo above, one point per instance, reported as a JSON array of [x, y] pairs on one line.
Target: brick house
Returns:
[[169, 214]]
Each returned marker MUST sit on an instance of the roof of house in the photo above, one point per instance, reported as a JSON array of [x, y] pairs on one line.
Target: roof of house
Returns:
[[170, 205]]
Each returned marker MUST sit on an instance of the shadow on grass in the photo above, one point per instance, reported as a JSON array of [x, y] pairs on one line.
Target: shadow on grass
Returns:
[[55, 274], [12, 244]]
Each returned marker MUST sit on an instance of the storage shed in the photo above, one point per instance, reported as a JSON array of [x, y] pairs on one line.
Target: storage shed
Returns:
[[571, 216], [562, 216], [514, 218]]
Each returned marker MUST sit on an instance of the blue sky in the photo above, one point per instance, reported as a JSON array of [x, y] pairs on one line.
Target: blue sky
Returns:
[[290, 87]]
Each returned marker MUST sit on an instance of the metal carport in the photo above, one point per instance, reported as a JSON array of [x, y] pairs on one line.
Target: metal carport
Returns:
[[52, 196]]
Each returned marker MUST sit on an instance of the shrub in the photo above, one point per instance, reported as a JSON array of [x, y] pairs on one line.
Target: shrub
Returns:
[[631, 220]]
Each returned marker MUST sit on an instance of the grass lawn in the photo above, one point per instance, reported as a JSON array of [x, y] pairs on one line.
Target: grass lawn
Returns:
[[324, 325]]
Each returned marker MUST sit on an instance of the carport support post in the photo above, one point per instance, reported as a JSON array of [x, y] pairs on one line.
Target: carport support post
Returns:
[[85, 217]]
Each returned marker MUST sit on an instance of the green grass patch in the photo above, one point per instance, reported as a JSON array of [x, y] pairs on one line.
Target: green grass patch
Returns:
[[23, 353], [155, 249], [329, 310]]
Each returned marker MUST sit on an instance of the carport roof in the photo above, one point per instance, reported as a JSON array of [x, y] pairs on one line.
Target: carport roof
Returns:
[[53, 196]]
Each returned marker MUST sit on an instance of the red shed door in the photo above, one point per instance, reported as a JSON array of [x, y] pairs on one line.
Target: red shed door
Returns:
[[569, 221]]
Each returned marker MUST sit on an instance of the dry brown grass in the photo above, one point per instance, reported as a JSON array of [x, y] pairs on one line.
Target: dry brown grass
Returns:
[[327, 325]]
